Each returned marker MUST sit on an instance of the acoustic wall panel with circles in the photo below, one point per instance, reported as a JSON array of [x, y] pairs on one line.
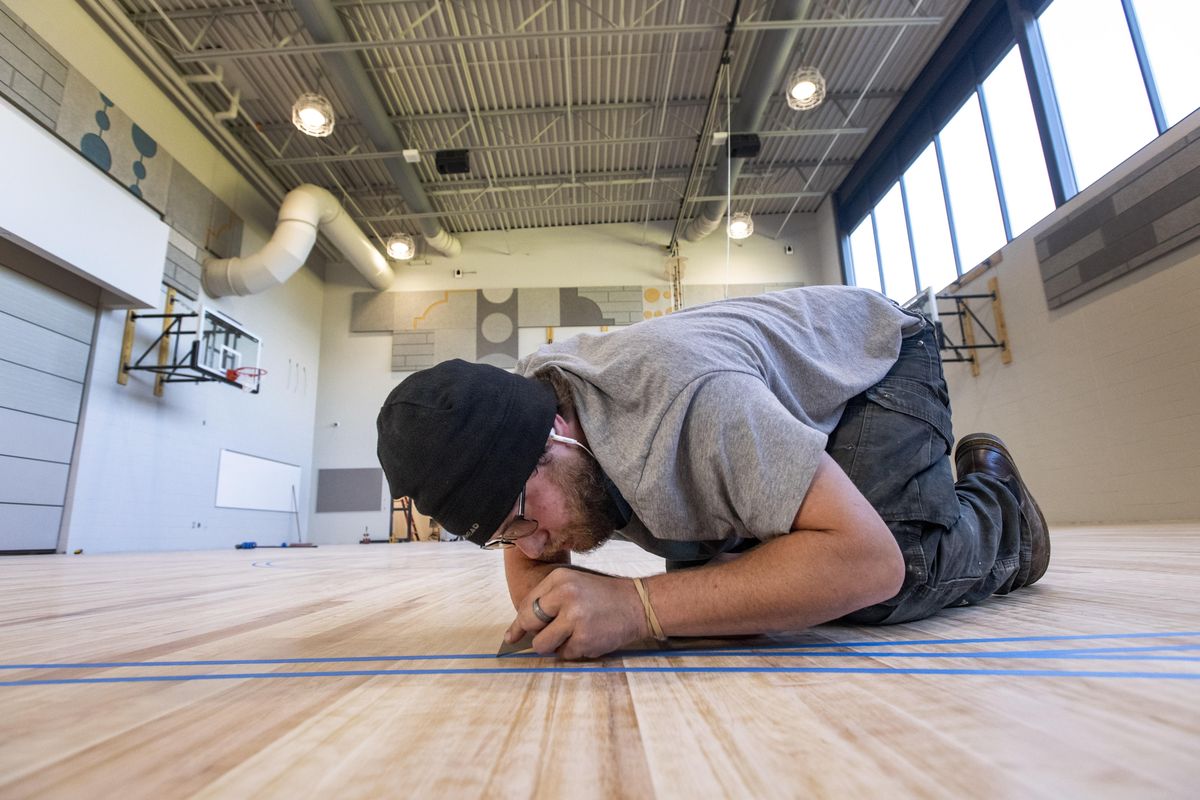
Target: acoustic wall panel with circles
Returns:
[[496, 339]]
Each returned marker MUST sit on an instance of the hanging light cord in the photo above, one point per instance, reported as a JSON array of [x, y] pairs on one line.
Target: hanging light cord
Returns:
[[728, 175]]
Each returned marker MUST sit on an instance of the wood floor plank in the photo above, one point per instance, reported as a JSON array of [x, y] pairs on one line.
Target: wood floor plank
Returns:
[[369, 671]]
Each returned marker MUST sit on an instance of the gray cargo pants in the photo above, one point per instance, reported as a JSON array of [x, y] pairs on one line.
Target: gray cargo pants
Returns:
[[961, 541]]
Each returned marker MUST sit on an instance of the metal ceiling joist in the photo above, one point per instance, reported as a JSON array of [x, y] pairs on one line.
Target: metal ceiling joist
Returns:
[[466, 212], [622, 178], [556, 35], [393, 154], [112, 19], [596, 108]]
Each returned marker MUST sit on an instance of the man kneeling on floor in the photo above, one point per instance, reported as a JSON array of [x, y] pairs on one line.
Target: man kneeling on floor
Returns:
[[787, 454]]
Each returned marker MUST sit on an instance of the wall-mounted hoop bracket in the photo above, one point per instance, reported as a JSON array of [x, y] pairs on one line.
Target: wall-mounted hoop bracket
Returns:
[[194, 347], [966, 348]]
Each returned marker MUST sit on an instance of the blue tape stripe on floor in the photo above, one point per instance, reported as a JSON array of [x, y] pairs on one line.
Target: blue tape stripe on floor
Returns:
[[811, 649], [781, 651], [1022, 673], [1080, 652], [1097, 653], [911, 642], [1004, 639]]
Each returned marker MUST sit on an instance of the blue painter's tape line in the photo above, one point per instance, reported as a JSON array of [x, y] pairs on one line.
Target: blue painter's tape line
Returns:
[[1096, 653], [787, 651], [1082, 652], [987, 640], [1022, 673]]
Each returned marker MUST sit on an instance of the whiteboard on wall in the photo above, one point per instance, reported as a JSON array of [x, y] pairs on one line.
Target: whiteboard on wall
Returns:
[[246, 481]]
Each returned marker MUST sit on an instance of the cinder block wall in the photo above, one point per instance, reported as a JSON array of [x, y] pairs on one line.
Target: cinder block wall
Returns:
[[1101, 404], [30, 74]]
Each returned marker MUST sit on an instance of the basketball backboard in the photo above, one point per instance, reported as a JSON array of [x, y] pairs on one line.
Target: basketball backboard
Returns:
[[226, 350], [925, 303]]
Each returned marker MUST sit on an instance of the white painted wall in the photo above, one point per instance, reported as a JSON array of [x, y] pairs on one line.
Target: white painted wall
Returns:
[[147, 470], [356, 371], [145, 476], [113, 239], [68, 28], [1101, 404]]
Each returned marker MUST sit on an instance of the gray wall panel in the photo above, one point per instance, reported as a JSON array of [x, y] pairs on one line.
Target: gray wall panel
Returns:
[[29, 300], [45, 341], [1149, 212], [29, 527], [24, 389], [349, 490], [35, 482], [31, 345], [30, 436]]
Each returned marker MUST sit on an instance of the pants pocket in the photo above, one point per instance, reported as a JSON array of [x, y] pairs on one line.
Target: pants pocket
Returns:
[[901, 465], [926, 599]]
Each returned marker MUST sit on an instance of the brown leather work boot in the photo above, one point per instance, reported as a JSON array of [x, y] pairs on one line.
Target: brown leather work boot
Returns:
[[983, 452]]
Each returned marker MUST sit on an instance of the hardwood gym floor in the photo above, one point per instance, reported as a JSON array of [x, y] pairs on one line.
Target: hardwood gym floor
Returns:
[[369, 671]]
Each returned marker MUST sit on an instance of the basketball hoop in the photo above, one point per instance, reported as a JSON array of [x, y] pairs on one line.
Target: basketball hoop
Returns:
[[213, 352], [239, 375]]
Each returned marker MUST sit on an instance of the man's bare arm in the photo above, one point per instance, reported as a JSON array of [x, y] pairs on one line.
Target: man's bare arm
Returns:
[[838, 558], [524, 573]]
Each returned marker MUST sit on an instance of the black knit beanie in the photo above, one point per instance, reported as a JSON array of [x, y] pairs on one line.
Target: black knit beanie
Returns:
[[461, 439]]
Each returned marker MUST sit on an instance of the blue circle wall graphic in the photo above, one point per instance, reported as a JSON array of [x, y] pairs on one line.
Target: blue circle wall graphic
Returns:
[[146, 147], [92, 145]]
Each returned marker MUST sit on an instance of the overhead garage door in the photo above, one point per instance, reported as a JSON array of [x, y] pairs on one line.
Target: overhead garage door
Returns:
[[45, 341]]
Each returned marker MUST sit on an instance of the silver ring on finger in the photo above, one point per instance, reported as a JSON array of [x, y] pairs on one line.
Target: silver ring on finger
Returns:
[[540, 613]]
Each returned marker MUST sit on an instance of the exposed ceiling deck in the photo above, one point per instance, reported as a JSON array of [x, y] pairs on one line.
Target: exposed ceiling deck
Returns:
[[575, 112]]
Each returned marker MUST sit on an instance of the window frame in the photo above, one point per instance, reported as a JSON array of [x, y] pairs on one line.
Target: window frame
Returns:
[[984, 34]]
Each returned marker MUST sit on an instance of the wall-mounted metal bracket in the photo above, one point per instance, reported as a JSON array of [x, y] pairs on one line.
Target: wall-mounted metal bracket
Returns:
[[966, 348], [177, 361]]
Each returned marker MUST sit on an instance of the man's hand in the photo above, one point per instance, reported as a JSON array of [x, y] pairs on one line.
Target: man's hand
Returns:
[[593, 615]]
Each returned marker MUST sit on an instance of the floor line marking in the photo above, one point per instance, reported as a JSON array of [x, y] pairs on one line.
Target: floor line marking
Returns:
[[1097, 654], [815, 648], [782, 651], [1026, 673]]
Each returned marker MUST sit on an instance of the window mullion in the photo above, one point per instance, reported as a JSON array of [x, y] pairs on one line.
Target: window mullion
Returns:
[[878, 255], [1045, 106], [937, 147], [849, 271], [912, 248], [991, 145], [1139, 47]]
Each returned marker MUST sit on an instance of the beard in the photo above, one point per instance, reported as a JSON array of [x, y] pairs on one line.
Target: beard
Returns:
[[581, 481]]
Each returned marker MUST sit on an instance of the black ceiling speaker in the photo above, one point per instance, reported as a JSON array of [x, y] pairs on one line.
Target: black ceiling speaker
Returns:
[[744, 145], [452, 162]]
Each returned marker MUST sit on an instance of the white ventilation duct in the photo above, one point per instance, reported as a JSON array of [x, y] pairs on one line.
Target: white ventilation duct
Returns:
[[323, 22], [306, 210], [765, 73]]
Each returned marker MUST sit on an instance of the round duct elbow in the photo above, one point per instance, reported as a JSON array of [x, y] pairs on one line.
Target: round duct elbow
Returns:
[[305, 209], [271, 266], [700, 227], [217, 276], [444, 243]]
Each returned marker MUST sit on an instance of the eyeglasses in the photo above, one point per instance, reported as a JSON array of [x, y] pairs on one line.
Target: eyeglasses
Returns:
[[520, 525]]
